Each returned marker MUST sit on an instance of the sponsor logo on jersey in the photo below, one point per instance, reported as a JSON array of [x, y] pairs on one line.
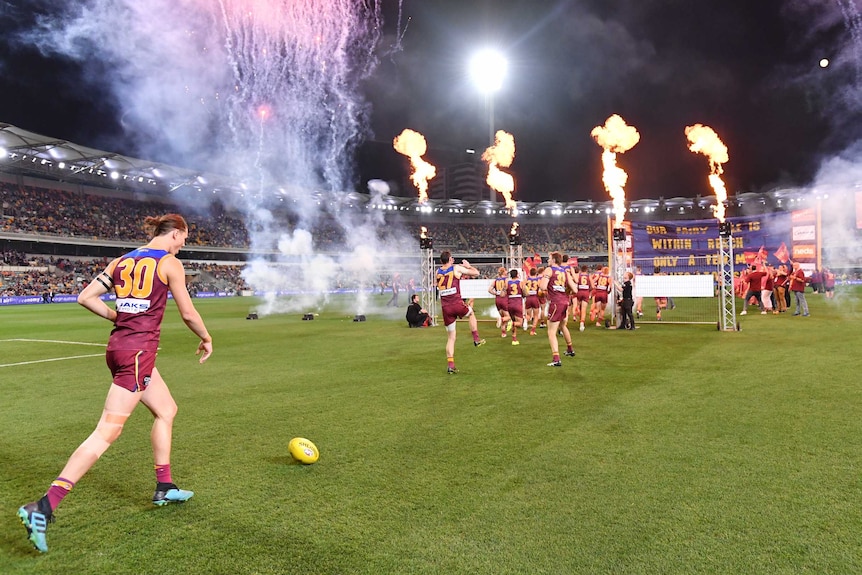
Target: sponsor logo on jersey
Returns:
[[132, 305]]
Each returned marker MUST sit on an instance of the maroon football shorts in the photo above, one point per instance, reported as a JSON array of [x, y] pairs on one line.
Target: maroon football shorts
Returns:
[[454, 310], [132, 369], [557, 311]]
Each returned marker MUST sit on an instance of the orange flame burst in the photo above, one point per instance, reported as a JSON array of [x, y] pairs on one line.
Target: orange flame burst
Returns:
[[423, 232], [514, 230], [412, 144], [501, 154], [704, 140], [615, 137]]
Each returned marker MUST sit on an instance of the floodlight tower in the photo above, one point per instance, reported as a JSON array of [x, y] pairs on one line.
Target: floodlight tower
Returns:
[[727, 299], [516, 250], [488, 69], [620, 265], [428, 272]]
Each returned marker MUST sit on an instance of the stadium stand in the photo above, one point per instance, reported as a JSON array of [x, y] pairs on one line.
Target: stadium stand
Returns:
[[35, 212], [51, 233]]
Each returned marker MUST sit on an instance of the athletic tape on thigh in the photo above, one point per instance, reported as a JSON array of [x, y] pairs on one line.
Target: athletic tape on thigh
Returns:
[[111, 425]]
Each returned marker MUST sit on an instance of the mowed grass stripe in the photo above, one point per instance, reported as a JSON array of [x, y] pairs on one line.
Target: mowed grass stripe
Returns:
[[673, 449]]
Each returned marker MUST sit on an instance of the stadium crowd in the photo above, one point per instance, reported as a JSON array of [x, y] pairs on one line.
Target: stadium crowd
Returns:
[[43, 211], [493, 238], [35, 275], [26, 210]]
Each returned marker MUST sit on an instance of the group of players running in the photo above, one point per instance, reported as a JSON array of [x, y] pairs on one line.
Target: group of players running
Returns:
[[548, 296]]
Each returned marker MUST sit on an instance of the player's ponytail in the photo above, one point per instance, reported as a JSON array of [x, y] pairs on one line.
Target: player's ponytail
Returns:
[[157, 226]]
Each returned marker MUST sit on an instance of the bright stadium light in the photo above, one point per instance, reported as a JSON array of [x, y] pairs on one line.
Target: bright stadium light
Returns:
[[3, 152], [115, 175], [488, 69]]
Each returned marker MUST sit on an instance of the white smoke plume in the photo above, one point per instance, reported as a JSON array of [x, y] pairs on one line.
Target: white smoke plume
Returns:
[[832, 30], [264, 92], [829, 30]]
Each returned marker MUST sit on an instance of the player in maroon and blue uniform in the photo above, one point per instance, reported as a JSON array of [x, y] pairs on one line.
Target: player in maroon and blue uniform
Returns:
[[501, 301], [543, 301], [452, 305], [584, 283], [141, 280], [515, 303], [531, 302], [601, 288], [555, 280]]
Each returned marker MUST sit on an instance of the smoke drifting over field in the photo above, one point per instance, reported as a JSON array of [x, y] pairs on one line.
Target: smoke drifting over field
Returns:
[[267, 93]]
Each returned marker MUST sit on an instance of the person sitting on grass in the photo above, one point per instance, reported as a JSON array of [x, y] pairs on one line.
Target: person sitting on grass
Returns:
[[416, 315]]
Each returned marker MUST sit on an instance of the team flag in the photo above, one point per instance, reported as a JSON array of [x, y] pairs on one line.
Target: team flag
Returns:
[[782, 254]]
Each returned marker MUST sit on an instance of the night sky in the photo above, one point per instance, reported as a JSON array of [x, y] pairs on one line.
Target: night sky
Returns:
[[748, 69]]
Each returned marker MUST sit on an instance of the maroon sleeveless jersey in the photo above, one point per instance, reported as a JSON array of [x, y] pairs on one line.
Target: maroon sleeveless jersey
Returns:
[[515, 289], [141, 297], [557, 286], [448, 285]]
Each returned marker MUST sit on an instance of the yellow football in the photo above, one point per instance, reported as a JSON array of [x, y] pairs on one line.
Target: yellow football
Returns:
[[303, 450]]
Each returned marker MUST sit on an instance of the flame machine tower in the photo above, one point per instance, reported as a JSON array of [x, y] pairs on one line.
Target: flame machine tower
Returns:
[[727, 297], [620, 266], [428, 272], [515, 261]]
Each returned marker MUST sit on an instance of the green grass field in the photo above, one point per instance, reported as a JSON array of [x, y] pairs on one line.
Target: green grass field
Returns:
[[673, 449]]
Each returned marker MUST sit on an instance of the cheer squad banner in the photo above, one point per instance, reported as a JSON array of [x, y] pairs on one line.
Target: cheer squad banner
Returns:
[[681, 247]]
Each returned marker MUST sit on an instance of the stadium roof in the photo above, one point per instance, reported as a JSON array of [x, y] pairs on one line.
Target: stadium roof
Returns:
[[54, 159], [34, 154]]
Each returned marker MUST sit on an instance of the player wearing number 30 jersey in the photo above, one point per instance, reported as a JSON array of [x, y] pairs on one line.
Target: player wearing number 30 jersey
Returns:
[[142, 292], [141, 280]]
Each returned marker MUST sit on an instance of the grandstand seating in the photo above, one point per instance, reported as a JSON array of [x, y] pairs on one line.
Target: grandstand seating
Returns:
[[33, 214], [31, 211]]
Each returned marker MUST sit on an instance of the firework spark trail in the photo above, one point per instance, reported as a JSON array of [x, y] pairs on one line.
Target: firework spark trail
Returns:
[[703, 140], [853, 21], [502, 153], [615, 137], [304, 59], [190, 78]]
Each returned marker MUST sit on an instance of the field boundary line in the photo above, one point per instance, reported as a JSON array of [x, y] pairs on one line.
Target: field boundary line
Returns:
[[55, 341], [51, 359]]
